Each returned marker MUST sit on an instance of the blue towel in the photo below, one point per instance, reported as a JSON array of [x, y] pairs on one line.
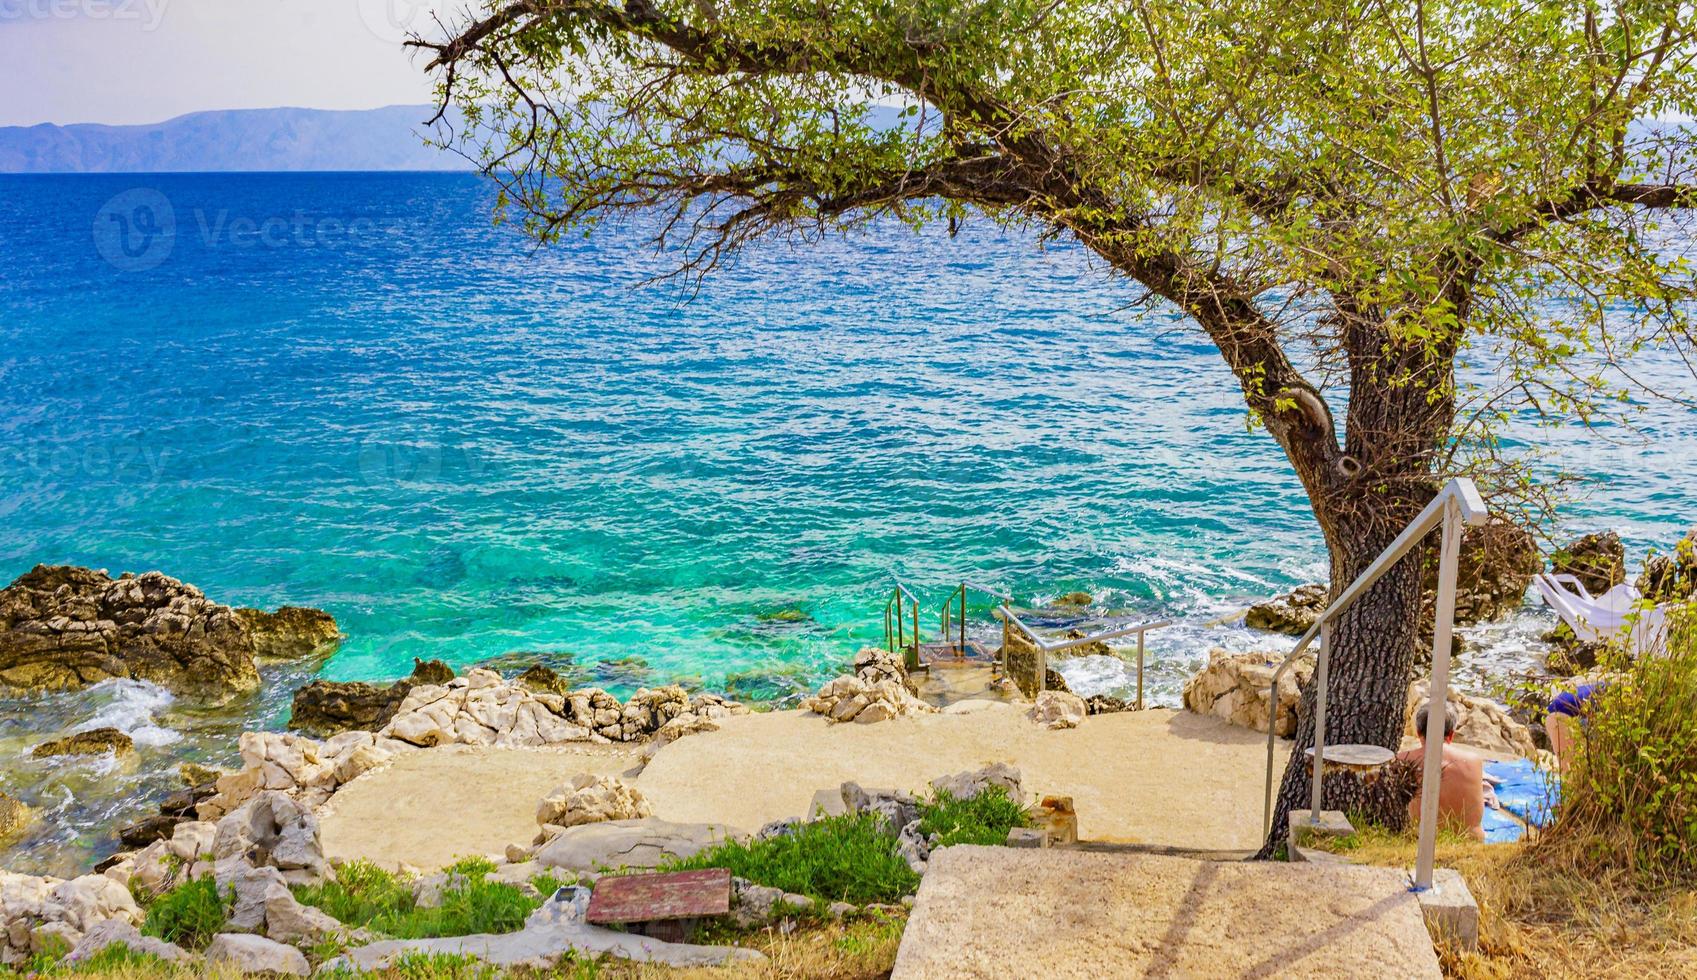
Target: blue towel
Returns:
[[1525, 790], [1500, 828]]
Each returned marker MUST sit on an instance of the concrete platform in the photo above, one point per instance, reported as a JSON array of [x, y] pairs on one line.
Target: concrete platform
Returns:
[[999, 912]]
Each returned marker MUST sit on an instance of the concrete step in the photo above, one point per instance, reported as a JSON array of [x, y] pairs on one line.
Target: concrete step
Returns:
[[994, 912]]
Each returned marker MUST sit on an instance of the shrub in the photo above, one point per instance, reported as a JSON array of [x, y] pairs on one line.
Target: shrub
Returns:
[[850, 858], [1629, 796], [190, 914], [982, 819]]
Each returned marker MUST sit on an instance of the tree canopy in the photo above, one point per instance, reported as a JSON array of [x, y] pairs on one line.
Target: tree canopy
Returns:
[[1350, 197]]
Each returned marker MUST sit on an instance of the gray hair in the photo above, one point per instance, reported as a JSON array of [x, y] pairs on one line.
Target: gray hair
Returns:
[[1421, 713]]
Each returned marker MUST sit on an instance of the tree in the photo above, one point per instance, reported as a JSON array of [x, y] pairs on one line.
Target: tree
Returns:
[[1351, 198]]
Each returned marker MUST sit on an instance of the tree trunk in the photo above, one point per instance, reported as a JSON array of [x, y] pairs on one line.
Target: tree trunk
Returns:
[[1373, 648], [1402, 407]]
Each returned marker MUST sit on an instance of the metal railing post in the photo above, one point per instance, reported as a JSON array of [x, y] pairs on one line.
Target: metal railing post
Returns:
[[1438, 697], [1140, 672], [1316, 796]]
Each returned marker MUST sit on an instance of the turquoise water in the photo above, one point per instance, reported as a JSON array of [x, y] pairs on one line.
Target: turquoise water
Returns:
[[381, 405], [353, 392]]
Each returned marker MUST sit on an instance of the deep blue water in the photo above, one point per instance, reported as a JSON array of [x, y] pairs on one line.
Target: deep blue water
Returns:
[[355, 392]]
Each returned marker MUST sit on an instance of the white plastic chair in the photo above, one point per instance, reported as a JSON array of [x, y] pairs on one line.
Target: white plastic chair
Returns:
[[1607, 617]]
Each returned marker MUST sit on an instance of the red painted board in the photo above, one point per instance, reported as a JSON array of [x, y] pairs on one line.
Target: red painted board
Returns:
[[619, 899]]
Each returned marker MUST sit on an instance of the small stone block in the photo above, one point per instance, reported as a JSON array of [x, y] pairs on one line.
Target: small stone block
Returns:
[[1059, 819], [827, 803], [1304, 831], [1452, 915], [1308, 855], [1027, 837]]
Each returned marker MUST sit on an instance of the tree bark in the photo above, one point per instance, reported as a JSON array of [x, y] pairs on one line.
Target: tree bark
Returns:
[[1401, 409]]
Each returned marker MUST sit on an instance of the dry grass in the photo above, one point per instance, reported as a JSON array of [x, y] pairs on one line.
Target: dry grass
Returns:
[[1543, 914], [861, 949]]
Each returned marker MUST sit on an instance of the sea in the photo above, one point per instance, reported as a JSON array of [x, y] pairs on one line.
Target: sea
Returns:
[[362, 393]]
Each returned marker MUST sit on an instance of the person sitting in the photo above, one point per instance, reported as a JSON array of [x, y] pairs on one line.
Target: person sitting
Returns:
[[1567, 712], [1461, 781]]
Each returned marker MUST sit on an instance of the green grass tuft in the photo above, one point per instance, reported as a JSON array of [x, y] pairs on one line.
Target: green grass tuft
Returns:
[[853, 858], [365, 896], [190, 914], [983, 819], [848, 859]]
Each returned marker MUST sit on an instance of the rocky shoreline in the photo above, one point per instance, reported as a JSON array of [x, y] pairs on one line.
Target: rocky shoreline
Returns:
[[253, 828]]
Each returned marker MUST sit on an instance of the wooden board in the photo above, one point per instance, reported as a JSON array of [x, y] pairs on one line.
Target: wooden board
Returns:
[[621, 899]]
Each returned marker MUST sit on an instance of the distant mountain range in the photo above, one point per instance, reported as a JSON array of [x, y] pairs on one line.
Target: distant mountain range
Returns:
[[233, 140]]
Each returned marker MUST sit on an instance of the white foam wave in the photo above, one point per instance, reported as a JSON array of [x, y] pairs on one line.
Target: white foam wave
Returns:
[[133, 708]]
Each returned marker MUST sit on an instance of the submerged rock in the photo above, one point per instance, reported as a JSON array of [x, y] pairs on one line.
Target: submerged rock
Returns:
[[63, 627], [290, 633], [94, 742], [1075, 599], [1598, 560], [14, 817]]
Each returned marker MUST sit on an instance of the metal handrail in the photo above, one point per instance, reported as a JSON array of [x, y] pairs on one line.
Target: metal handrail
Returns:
[[896, 639], [1457, 504], [1045, 648]]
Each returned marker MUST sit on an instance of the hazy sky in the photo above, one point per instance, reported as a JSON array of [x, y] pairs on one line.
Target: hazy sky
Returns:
[[138, 61]]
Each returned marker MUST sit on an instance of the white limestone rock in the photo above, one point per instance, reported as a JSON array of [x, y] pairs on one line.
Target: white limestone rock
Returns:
[[1055, 710], [588, 798], [245, 953]]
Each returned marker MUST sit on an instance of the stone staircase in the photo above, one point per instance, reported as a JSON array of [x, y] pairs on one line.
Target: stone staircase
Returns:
[[996, 912]]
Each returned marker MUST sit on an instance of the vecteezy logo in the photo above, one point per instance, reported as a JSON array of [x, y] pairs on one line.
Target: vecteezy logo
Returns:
[[136, 230], [396, 20]]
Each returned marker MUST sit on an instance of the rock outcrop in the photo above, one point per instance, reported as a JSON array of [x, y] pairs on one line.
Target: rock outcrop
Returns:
[[1236, 687], [1496, 567], [119, 932], [1497, 563], [41, 915], [588, 798], [332, 707], [967, 785], [242, 954], [303, 768], [878, 690], [646, 843], [1673, 577], [97, 741], [290, 633], [64, 627], [273, 830], [1597, 560], [1055, 710], [482, 709], [14, 817], [1293, 613], [1480, 723], [1021, 656]]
